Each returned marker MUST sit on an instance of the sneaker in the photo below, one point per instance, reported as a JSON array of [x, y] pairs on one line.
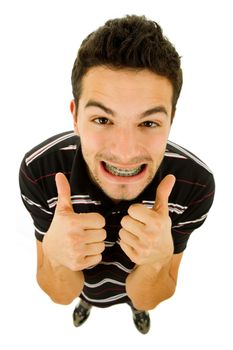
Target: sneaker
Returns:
[[81, 313], [141, 320]]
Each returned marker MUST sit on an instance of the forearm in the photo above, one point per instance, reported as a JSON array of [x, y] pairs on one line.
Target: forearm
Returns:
[[60, 283], [149, 285]]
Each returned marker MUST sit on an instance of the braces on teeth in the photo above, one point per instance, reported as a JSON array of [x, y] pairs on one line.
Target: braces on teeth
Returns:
[[123, 172]]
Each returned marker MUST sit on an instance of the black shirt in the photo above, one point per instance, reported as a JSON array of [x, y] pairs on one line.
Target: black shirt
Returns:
[[189, 203]]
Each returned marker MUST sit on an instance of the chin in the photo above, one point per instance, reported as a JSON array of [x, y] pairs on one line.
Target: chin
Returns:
[[123, 192], [120, 188]]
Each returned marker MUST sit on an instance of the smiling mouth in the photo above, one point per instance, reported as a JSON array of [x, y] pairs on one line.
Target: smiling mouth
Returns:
[[125, 172]]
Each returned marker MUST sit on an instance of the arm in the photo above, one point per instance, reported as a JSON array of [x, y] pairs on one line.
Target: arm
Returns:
[[148, 285], [59, 282], [147, 240], [72, 243]]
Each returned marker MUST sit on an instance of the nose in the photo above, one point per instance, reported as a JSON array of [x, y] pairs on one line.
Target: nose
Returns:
[[125, 146]]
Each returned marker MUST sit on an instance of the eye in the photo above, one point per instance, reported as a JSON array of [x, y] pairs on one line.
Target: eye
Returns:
[[102, 121], [149, 124]]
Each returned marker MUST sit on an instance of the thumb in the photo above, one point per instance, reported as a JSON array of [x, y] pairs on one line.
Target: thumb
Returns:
[[163, 192], [63, 189]]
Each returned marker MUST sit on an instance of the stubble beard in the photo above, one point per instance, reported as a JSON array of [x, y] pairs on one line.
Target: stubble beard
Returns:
[[123, 193]]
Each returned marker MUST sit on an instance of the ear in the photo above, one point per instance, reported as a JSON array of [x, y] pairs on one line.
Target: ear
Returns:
[[74, 114]]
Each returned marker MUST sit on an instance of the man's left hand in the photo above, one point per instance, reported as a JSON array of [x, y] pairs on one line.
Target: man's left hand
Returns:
[[145, 236]]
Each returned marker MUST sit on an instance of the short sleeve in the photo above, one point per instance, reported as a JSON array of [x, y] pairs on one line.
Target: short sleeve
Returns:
[[35, 202], [194, 214]]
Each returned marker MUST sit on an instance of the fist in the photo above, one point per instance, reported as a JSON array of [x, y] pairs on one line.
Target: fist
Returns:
[[145, 236], [73, 240]]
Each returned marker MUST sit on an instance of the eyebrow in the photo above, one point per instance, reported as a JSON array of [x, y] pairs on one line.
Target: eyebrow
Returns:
[[93, 103], [154, 110]]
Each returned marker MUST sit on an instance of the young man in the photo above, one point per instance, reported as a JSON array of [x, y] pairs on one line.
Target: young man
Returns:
[[114, 202]]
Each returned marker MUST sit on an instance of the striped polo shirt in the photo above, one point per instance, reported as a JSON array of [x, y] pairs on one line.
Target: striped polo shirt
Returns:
[[189, 204]]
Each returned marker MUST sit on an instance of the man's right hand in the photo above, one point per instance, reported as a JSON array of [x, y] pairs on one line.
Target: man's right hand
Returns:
[[73, 240]]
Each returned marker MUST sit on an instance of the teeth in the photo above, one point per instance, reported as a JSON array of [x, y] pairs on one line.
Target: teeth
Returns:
[[123, 172]]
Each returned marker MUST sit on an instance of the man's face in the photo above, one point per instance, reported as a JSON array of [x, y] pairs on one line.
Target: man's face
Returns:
[[123, 120]]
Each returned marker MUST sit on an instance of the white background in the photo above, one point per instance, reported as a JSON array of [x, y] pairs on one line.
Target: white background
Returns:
[[38, 45]]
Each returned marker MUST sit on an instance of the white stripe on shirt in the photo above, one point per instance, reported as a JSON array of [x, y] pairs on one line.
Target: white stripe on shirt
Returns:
[[174, 155], [113, 298], [69, 148], [116, 263], [198, 161], [39, 231], [76, 199], [173, 207], [30, 202], [203, 217], [43, 149], [105, 280]]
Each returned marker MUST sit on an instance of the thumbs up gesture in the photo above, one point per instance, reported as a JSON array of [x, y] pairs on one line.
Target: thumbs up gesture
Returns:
[[146, 233], [73, 240]]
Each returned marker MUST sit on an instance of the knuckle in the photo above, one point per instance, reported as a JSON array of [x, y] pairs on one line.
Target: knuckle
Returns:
[[99, 219], [132, 209], [101, 247], [143, 251], [73, 225], [76, 259], [94, 260], [135, 208], [74, 265], [75, 240], [121, 233], [140, 251], [99, 258], [124, 220], [103, 234], [72, 257], [136, 259], [151, 239]]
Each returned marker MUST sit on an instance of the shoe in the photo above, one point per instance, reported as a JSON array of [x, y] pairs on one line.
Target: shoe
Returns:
[[81, 313], [141, 320]]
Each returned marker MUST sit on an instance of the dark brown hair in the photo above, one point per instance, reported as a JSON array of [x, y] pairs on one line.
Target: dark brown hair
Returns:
[[128, 42]]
